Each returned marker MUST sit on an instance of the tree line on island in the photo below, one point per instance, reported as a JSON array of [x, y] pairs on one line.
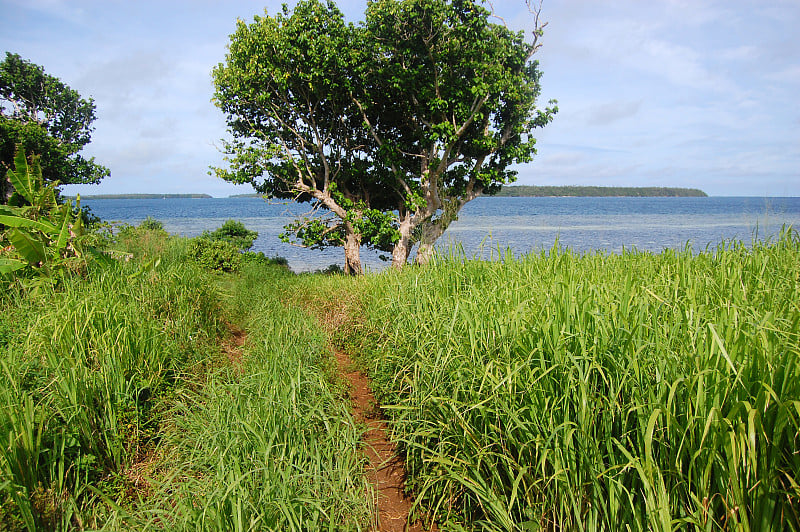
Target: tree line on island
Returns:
[[537, 191], [558, 191]]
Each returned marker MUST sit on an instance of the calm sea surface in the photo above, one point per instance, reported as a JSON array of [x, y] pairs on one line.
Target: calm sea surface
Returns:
[[488, 224]]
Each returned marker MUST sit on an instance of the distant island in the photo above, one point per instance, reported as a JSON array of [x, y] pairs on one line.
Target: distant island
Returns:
[[527, 191], [559, 191], [143, 196], [512, 191]]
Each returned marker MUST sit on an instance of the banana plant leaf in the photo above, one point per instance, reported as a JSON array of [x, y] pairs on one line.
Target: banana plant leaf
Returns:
[[21, 178], [17, 221], [63, 233], [11, 265], [28, 246]]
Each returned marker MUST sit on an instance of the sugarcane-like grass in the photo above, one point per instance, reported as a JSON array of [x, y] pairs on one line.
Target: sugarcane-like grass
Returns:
[[565, 391], [120, 411]]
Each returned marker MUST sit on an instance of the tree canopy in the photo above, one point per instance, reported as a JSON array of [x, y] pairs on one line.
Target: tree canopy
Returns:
[[41, 115], [285, 89], [387, 127], [450, 98]]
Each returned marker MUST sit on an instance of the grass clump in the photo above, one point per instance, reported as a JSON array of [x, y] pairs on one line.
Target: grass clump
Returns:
[[567, 391]]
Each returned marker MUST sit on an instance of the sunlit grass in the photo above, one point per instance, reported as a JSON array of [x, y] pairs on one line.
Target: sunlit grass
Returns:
[[566, 391], [268, 445], [82, 381], [119, 409]]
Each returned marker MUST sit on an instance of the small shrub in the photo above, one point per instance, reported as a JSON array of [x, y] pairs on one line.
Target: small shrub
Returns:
[[151, 224], [218, 255], [234, 232], [332, 269], [258, 257]]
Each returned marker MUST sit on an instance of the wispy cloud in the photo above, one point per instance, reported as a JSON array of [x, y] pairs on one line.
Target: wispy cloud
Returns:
[[611, 112]]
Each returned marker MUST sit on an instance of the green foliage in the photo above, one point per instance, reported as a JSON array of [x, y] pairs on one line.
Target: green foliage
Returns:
[[385, 127], [450, 98], [218, 255], [253, 257], [234, 232], [37, 235], [594, 392], [285, 89], [86, 375], [42, 115], [151, 224]]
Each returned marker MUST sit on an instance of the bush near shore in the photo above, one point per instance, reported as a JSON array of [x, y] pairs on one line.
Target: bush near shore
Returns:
[[565, 391]]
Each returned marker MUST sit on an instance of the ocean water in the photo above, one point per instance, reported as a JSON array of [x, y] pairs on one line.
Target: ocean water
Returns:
[[487, 226]]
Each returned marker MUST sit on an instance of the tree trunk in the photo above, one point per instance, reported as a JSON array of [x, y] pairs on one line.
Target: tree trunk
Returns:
[[352, 254], [5, 187], [402, 248], [430, 234]]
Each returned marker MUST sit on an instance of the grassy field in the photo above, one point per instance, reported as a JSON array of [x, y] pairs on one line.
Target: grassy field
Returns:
[[594, 392], [121, 409], [558, 391]]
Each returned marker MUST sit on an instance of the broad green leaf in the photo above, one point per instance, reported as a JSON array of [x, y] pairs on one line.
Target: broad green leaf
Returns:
[[63, 234], [11, 265], [27, 245], [16, 221], [20, 177]]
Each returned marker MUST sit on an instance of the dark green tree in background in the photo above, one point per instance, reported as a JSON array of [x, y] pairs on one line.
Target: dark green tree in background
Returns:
[[41, 115], [389, 127]]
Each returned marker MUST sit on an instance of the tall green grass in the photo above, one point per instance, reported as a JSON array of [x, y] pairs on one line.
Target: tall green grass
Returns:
[[83, 374], [268, 444], [120, 410], [566, 391]]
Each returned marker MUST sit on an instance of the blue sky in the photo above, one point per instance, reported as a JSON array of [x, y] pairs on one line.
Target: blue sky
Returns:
[[693, 93]]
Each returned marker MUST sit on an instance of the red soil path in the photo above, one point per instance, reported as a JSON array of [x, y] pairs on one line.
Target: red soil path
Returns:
[[387, 472]]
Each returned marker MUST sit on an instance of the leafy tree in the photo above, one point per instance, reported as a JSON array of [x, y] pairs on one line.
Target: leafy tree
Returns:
[[387, 128], [41, 115], [450, 99], [285, 88]]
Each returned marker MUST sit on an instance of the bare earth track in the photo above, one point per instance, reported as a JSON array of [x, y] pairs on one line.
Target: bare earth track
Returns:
[[387, 472]]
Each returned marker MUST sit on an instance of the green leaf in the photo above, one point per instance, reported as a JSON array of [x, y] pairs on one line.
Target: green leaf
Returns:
[[10, 265], [20, 177], [63, 234], [27, 245], [17, 221]]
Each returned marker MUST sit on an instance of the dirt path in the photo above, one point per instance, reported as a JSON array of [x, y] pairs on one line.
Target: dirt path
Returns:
[[386, 468], [233, 346]]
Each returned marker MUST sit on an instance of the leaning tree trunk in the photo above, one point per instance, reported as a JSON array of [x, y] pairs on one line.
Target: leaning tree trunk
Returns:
[[402, 247], [430, 234], [352, 254]]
